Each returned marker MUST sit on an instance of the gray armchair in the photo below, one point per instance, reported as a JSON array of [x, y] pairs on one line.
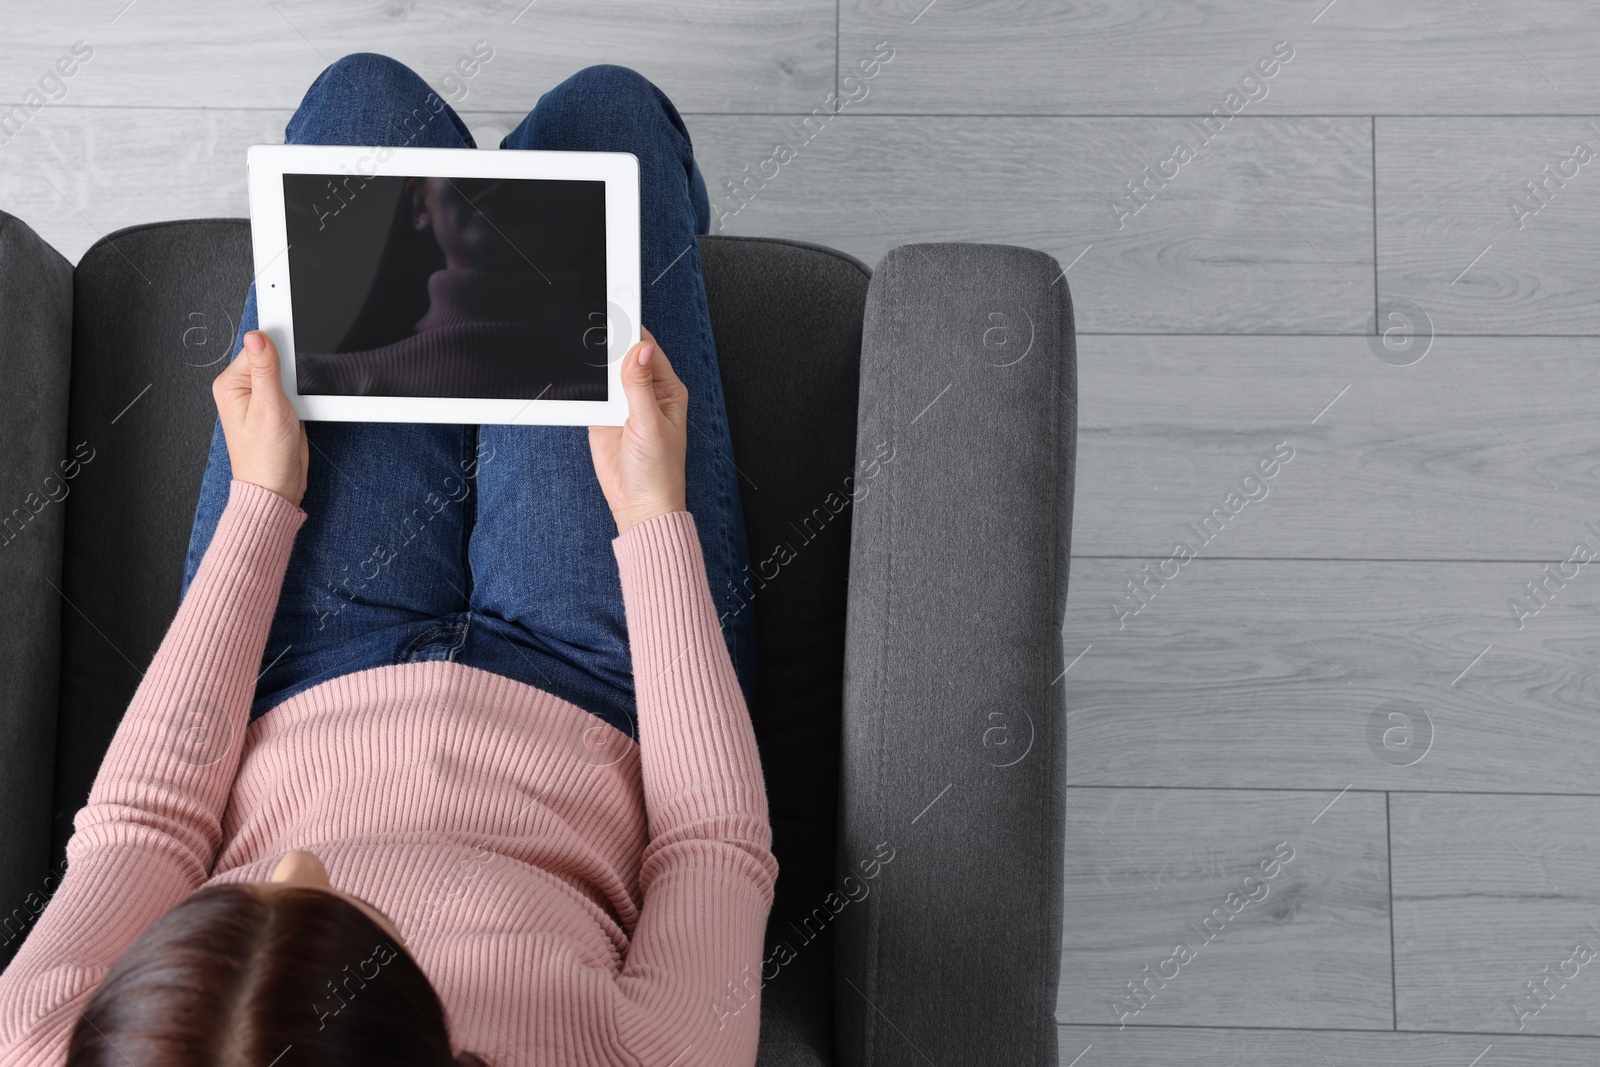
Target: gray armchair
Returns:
[[908, 437]]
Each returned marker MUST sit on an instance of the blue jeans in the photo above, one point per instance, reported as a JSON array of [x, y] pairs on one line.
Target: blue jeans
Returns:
[[491, 545]]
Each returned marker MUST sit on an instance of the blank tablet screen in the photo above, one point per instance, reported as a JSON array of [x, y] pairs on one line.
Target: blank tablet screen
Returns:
[[450, 287]]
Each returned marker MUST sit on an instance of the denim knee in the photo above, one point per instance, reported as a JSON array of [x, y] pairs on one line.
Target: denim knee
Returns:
[[611, 80], [367, 74], [360, 83], [366, 98], [602, 102]]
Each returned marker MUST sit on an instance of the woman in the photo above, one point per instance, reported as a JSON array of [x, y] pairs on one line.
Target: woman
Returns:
[[486, 791]]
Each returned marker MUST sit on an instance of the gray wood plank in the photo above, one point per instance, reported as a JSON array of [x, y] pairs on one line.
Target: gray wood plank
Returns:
[[77, 174], [1461, 235], [1204, 887], [1482, 450], [1267, 230], [1208, 254], [1097, 57], [1147, 1046], [1492, 893], [709, 55], [1287, 674]]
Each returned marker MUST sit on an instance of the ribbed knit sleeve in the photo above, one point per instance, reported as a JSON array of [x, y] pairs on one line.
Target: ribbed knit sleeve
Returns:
[[690, 986], [152, 827]]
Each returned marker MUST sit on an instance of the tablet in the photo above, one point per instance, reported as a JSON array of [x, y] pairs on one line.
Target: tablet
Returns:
[[448, 285]]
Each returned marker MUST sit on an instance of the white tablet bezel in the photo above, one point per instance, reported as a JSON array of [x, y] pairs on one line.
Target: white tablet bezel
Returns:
[[620, 172]]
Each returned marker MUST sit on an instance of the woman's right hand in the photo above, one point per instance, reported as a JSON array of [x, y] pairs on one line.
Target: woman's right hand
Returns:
[[640, 464]]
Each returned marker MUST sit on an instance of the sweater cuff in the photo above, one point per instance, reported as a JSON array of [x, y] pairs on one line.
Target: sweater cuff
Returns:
[[261, 515], [664, 580], [669, 533], [253, 538]]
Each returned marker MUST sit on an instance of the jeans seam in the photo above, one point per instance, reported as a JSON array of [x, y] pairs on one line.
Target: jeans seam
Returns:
[[454, 630], [461, 636], [725, 499], [416, 644], [469, 508]]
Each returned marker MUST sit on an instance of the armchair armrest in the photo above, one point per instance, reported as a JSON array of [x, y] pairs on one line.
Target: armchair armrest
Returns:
[[35, 359], [953, 745]]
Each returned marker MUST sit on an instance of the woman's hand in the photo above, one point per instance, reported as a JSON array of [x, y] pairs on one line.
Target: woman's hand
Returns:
[[640, 463], [266, 443]]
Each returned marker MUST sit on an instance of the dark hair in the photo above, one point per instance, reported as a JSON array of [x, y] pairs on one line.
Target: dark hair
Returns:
[[235, 975]]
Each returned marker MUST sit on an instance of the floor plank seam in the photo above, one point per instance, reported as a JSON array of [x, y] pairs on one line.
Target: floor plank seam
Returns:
[[797, 111], [1388, 843], [1327, 788], [1377, 327], [1363, 336], [1335, 559], [1513, 1034]]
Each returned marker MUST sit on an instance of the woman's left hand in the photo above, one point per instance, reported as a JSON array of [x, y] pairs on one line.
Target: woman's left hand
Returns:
[[266, 444], [640, 464]]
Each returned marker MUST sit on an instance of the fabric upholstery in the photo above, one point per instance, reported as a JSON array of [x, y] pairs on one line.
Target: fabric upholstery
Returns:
[[154, 314], [953, 739], [787, 320], [35, 360]]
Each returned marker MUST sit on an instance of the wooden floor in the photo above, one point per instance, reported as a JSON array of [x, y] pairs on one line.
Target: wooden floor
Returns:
[[1339, 674]]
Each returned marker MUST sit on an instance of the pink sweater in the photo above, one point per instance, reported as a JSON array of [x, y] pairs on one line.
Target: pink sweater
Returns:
[[571, 904]]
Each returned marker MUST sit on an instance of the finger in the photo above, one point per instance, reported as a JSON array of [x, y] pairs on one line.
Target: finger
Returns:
[[263, 356], [658, 359], [266, 382], [231, 387], [602, 438], [670, 392], [638, 384], [662, 370]]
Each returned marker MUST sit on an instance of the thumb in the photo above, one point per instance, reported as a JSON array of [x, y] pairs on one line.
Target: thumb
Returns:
[[638, 384], [263, 357]]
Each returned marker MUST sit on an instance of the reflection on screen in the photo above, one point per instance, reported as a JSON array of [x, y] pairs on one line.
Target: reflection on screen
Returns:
[[453, 287]]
